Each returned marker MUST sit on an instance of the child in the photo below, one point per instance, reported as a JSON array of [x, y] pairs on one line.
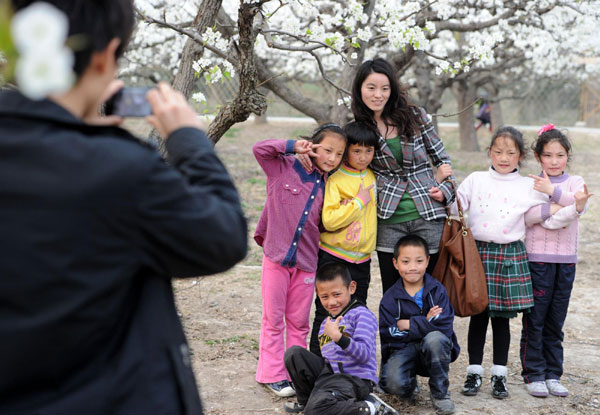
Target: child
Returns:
[[342, 380], [288, 231], [551, 242], [497, 200], [415, 326], [349, 217]]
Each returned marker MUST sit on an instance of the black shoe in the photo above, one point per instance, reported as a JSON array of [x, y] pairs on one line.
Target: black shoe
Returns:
[[499, 390], [381, 408], [472, 384], [293, 408]]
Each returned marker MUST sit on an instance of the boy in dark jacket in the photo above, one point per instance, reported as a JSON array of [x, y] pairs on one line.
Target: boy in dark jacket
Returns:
[[342, 380], [415, 326]]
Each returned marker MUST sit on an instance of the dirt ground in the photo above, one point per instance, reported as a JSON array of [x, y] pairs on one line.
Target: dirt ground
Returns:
[[222, 313]]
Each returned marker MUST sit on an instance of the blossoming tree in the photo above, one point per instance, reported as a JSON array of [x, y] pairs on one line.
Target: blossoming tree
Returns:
[[434, 45]]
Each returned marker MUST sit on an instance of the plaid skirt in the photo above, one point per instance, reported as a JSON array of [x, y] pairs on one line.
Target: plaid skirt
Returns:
[[508, 279]]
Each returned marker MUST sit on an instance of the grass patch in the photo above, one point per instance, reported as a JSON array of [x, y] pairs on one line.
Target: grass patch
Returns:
[[232, 132], [252, 343]]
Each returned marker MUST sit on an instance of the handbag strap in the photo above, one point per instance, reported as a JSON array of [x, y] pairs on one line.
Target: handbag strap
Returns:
[[458, 205]]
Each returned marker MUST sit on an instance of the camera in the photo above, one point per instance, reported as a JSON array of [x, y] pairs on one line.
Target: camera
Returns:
[[129, 102]]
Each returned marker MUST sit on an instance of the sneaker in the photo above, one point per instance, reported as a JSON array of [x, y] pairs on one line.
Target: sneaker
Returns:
[[537, 389], [443, 406], [499, 390], [381, 408], [281, 388], [293, 408], [556, 388], [472, 384]]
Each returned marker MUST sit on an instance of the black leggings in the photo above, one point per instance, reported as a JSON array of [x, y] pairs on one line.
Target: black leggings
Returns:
[[389, 274], [476, 338]]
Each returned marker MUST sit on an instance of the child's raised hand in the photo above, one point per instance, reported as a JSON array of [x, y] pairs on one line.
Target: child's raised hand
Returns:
[[332, 328], [305, 147], [581, 198], [436, 194], [434, 312], [444, 171], [364, 193], [542, 184]]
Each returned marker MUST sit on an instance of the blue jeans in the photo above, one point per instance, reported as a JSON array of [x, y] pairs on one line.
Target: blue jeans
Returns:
[[542, 335], [429, 357]]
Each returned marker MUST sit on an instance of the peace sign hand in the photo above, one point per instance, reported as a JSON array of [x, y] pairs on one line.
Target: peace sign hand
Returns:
[[542, 184], [581, 198]]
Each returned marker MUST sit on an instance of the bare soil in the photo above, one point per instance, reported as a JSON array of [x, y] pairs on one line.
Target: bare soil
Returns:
[[222, 313]]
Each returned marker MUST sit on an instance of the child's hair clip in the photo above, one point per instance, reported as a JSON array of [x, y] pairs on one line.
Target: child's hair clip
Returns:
[[545, 128]]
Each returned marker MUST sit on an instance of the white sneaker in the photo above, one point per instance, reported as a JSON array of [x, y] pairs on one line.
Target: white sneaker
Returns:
[[537, 389], [556, 388]]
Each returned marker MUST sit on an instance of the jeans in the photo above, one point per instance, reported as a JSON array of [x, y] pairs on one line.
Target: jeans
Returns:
[[542, 335], [429, 357]]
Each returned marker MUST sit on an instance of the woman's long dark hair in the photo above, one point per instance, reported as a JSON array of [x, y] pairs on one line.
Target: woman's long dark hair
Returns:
[[398, 111]]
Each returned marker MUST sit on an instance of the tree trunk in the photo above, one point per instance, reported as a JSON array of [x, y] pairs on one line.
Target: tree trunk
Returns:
[[465, 96], [496, 108], [192, 51]]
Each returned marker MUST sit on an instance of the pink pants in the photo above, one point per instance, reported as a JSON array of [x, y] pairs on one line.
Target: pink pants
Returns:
[[286, 293]]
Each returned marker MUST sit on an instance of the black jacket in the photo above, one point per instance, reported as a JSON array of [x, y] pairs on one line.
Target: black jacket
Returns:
[[93, 224]]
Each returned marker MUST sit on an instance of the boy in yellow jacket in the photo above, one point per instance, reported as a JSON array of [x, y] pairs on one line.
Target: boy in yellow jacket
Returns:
[[349, 217]]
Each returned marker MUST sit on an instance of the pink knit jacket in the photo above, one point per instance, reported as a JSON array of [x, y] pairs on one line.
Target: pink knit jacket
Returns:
[[554, 238]]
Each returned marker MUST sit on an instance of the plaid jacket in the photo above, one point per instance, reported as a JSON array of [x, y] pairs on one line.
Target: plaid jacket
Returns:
[[415, 174]]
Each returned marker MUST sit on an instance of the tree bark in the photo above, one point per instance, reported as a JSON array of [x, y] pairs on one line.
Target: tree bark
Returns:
[[495, 105], [465, 96], [192, 51]]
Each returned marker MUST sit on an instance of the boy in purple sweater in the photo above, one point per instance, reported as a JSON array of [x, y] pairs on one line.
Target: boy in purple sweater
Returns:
[[342, 380]]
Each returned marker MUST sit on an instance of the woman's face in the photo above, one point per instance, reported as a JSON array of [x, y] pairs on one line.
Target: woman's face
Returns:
[[375, 92]]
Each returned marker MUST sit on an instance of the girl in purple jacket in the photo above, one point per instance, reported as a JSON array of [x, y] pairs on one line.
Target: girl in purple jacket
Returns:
[[288, 231]]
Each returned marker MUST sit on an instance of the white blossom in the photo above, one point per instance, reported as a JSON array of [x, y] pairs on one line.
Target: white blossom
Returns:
[[39, 26], [45, 72], [199, 97]]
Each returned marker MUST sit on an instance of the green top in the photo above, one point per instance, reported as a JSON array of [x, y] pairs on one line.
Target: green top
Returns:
[[406, 210]]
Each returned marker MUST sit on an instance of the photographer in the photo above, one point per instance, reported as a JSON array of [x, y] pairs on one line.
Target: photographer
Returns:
[[94, 224]]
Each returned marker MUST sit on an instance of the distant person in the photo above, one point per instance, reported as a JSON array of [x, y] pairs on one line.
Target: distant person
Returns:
[[410, 199], [496, 201], [551, 241], [349, 217], [342, 380], [94, 225], [416, 328], [288, 231], [484, 115]]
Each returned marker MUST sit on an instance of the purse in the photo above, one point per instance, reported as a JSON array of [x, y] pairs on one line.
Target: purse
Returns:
[[459, 266]]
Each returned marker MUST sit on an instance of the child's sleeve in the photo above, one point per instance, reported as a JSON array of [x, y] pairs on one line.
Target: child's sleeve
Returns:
[[420, 326], [335, 215], [363, 343], [389, 314], [269, 154], [541, 213]]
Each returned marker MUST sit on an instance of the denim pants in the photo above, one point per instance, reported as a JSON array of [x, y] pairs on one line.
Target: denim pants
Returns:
[[542, 335], [429, 357]]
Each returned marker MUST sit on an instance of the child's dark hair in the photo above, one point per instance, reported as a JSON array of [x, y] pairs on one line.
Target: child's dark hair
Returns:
[[548, 137], [321, 131], [513, 134], [331, 271], [410, 240], [361, 134]]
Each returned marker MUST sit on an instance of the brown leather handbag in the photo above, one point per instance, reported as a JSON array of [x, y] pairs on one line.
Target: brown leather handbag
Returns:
[[459, 267]]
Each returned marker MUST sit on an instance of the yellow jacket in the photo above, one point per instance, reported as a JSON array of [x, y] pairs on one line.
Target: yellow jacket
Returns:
[[351, 229]]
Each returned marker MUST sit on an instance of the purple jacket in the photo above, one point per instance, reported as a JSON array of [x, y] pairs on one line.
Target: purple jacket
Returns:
[[288, 229]]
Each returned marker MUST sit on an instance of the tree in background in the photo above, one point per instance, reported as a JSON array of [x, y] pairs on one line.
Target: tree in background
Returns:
[[434, 45]]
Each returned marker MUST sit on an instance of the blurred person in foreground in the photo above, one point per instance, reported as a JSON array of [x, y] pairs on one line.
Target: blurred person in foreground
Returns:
[[94, 225]]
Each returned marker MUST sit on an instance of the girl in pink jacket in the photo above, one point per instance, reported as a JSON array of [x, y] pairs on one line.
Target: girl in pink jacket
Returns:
[[551, 243]]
